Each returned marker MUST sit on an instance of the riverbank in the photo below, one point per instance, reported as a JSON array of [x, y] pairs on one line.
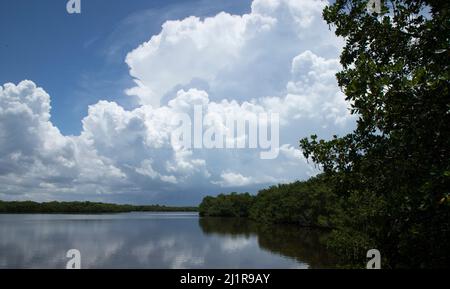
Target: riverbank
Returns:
[[29, 207]]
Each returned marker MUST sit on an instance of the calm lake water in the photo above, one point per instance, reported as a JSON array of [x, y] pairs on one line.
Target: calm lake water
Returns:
[[155, 240]]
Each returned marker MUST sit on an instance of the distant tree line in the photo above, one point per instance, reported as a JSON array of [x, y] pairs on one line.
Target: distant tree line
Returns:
[[232, 205], [310, 203], [82, 207]]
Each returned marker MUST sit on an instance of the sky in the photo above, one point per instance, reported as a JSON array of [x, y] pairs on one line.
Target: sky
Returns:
[[63, 53], [87, 101]]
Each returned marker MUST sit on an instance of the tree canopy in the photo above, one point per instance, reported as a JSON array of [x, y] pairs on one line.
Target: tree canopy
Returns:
[[393, 170], [386, 185], [309, 204]]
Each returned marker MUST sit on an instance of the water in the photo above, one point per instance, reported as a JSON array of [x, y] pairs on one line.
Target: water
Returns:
[[155, 240]]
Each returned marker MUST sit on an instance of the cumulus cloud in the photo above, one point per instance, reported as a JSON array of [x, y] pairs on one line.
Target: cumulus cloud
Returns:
[[35, 156], [235, 57], [280, 58]]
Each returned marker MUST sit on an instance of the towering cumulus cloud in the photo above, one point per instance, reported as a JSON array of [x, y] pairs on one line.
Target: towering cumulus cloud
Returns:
[[280, 58]]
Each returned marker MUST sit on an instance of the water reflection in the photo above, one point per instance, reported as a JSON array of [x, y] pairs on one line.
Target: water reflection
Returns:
[[153, 240], [302, 244]]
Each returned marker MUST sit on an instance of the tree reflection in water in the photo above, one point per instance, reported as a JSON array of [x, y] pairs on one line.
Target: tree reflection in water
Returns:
[[302, 244]]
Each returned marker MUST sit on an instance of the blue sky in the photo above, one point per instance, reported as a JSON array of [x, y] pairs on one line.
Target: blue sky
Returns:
[[87, 101], [64, 52]]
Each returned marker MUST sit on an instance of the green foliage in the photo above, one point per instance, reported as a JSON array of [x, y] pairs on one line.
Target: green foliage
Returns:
[[81, 207], [391, 173], [386, 184], [308, 204], [232, 205]]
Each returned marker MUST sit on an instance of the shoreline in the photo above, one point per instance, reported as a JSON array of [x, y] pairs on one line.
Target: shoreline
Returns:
[[84, 207]]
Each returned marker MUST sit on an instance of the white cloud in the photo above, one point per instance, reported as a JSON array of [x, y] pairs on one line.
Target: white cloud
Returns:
[[35, 156], [279, 58], [230, 179], [236, 57]]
